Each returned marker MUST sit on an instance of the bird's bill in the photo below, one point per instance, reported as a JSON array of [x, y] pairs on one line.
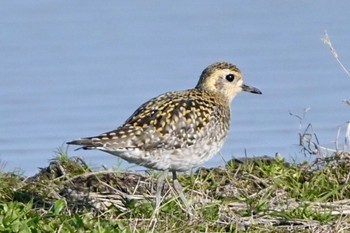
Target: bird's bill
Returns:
[[251, 89]]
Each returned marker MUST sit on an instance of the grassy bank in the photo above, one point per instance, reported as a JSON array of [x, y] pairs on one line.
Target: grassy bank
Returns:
[[254, 195]]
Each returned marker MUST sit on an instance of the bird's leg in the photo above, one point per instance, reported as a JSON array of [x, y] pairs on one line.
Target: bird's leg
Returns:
[[178, 188], [160, 184]]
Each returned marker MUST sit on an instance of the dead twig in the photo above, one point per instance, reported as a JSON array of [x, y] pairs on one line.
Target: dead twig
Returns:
[[327, 41]]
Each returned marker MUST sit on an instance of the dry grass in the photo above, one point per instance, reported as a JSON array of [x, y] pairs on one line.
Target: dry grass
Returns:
[[254, 195]]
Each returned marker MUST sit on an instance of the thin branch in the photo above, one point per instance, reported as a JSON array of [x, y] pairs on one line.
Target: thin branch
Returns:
[[327, 41]]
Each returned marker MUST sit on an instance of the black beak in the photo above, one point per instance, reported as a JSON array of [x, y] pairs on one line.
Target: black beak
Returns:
[[251, 89]]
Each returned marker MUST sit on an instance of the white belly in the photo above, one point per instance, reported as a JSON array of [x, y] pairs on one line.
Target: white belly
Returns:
[[174, 160]]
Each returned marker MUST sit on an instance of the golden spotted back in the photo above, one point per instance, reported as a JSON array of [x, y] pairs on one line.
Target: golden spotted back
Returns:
[[172, 120]]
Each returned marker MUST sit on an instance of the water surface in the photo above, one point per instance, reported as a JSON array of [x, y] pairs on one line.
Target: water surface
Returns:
[[73, 69]]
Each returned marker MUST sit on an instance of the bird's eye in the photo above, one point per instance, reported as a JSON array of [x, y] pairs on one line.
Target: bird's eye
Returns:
[[230, 77]]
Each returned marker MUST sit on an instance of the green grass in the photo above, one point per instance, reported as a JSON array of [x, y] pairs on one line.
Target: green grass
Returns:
[[254, 195]]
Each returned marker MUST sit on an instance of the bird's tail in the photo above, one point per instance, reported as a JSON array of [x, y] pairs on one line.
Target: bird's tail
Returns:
[[86, 143]]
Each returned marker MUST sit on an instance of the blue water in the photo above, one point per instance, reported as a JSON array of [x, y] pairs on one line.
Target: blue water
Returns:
[[74, 69]]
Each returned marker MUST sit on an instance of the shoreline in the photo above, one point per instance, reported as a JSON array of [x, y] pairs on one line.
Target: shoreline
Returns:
[[263, 194]]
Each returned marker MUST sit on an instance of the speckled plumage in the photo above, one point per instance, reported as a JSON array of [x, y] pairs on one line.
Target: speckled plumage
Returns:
[[177, 130]]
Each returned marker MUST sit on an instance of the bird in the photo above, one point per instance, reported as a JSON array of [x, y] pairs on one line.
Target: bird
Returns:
[[177, 130]]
